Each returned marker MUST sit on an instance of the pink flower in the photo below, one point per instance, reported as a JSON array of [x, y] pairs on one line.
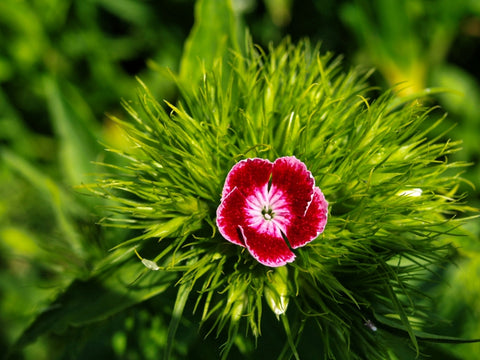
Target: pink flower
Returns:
[[271, 207]]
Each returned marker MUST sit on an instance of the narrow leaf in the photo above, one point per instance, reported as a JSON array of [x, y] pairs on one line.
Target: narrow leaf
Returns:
[[213, 35], [181, 300], [96, 299], [78, 146]]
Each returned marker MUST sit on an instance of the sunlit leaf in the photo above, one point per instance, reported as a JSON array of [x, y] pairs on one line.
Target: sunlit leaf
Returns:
[[215, 34]]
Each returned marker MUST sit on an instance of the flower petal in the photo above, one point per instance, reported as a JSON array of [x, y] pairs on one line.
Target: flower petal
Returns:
[[231, 214], [307, 228], [269, 249], [248, 175], [296, 183]]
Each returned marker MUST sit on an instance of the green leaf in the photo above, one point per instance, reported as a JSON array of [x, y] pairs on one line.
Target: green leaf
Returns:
[[129, 10], [14, 132], [60, 201], [78, 146], [290, 338], [214, 34], [181, 300], [395, 326], [96, 299]]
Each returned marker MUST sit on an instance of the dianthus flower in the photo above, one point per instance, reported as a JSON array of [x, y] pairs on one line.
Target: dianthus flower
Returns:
[[270, 208]]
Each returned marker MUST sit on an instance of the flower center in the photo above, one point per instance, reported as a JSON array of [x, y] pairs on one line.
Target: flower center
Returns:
[[267, 213]]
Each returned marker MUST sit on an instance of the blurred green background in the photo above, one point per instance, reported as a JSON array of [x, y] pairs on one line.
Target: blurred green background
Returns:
[[65, 64]]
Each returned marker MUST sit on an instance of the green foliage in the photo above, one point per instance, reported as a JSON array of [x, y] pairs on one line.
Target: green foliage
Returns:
[[411, 43], [380, 241], [64, 63], [394, 35], [214, 20], [97, 299]]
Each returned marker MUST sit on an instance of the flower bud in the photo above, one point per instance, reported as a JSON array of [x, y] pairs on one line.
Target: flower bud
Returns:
[[276, 290], [236, 301]]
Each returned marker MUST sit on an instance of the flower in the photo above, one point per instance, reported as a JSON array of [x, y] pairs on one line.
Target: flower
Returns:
[[271, 207]]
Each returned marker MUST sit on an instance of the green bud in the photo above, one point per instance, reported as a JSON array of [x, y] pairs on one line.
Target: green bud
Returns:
[[236, 301], [168, 228], [276, 290], [269, 99], [237, 307]]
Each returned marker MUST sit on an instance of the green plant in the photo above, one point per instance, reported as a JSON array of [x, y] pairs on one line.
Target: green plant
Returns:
[[392, 201], [354, 292]]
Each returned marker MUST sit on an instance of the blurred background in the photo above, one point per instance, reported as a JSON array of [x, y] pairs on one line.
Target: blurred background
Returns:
[[66, 64]]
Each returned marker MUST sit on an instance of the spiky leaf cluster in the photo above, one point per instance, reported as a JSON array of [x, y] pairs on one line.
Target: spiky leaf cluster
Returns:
[[355, 284]]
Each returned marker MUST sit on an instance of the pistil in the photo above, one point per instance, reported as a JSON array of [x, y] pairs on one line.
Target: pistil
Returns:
[[267, 213]]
